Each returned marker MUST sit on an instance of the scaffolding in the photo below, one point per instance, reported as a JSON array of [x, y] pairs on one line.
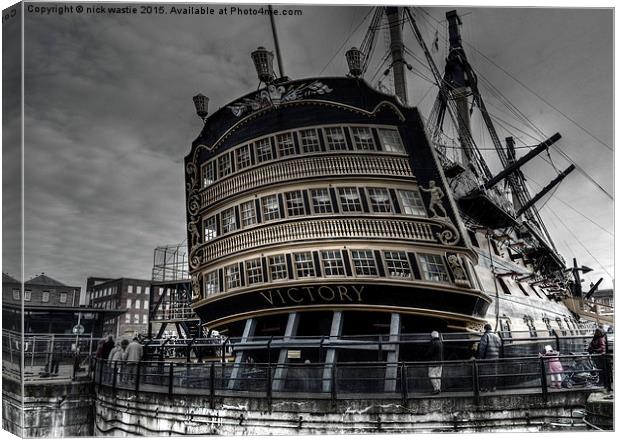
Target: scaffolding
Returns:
[[171, 294]]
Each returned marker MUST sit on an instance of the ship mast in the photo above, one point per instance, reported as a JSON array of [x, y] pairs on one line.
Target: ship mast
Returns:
[[396, 48]]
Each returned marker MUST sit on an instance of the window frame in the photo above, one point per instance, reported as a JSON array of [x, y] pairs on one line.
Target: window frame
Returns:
[[422, 263], [317, 208], [344, 205], [329, 144], [264, 214], [306, 146], [404, 261], [373, 209], [326, 263], [253, 273], [225, 217], [300, 207], [305, 268], [284, 148], [259, 149], [245, 161], [386, 146], [415, 209], [242, 213], [270, 266], [354, 266], [362, 145]]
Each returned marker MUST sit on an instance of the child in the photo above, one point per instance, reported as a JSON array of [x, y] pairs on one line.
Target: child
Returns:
[[554, 366]]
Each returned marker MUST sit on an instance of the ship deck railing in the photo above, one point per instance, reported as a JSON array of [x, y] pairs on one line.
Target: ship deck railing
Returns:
[[471, 378]]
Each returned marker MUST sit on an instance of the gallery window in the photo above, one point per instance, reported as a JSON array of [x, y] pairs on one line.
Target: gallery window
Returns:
[[229, 221], [411, 202], [335, 139], [286, 145], [363, 139], [321, 201], [349, 198], [232, 276], [248, 213], [364, 262], [263, 150], [254, 271], [210, 228], [310, 140], [271, 207], [397, 264], [224, 165], [379, 200], [211, 283], [433, 268], [294, 203], [277, 267], [332, 263], [390, 138], [304, 264]]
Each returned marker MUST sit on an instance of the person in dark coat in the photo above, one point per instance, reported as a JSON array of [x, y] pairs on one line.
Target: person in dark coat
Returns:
[[489, 348], [435, 353], [108, 345], [598, 347]]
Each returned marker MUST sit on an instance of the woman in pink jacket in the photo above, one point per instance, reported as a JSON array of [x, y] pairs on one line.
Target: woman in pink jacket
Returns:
[[554, 367]]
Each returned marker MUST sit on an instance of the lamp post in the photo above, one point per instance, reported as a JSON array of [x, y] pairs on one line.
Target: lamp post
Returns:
[[263, 62], [354, 58], [201, 102]]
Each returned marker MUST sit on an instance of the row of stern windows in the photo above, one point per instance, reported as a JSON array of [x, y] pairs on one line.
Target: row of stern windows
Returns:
[[349, 200], [333, 263], [302, 142]]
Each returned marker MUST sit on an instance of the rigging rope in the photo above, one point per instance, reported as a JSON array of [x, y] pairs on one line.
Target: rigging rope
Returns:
[[529, 89], [345, 42]]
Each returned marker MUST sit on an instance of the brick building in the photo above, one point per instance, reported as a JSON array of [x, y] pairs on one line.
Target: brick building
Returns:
[[49, 306], [131, 296]]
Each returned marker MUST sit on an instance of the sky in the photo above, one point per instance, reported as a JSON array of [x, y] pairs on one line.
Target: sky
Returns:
[[109, 117]]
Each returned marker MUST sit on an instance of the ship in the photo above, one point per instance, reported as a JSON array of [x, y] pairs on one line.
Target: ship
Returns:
[[326, 208]]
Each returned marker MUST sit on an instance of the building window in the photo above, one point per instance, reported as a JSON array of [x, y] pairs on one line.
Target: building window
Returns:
[[397, 264], [285, 144], [391, 140], [362, 138], [229, 221], [137, 304], [63, 298], [243, 157], [433, 268], [294, 203], [127, 318], [224, 165], [321, 201], [130, 288], [248, 213], [211, 284], [45, 296], [364, 262], [349, 199], [263, 150], [146, 290], [304, 264], [27, 295], [310, 140], [411, 202], [136, 319], [271, 207], [335, 139], [210, 231], [379, 199], [139, 289], [254, 271], [16, 294], [277, 267], [208, 173], [232, 276], [145, 319], [146, 304], [128, 303], [332, 263]]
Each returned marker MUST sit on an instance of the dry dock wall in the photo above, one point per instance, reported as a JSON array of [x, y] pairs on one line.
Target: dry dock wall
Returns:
[[127, 413], [51, 409]]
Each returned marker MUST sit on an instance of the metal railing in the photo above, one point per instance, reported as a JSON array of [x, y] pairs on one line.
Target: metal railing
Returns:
[[47, 356], [341, 381], [457, 345]]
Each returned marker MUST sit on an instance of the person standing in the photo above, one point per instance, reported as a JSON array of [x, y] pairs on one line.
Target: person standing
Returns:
[[134, 355], [552, 358], [489, 349], [435, 353], [598, 348], [108, 345]]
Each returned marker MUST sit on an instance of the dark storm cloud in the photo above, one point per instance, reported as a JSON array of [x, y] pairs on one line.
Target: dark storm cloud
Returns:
[[110, 117]]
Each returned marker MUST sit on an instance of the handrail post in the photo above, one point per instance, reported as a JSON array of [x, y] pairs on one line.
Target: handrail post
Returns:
[[334, 394], [475, 381], [101, 365], [170, 377], [212, 385], [501, 346], [557, 340], [114, 376], [404, 383], [606, 371], [269, 387], [137, 375], [543, 379]]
